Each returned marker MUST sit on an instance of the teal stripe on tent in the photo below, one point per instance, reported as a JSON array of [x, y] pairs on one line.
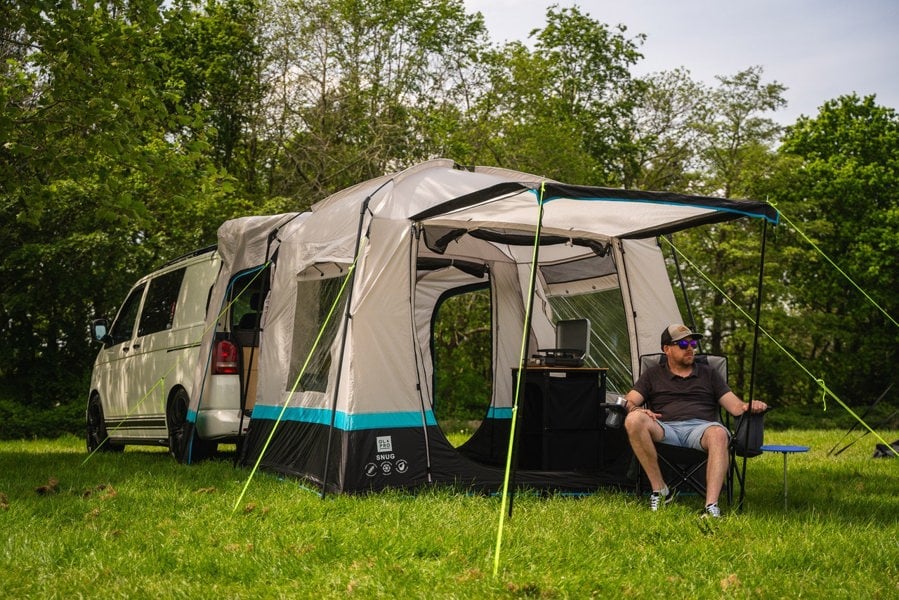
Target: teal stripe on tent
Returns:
[[499, 413], [343, 421]]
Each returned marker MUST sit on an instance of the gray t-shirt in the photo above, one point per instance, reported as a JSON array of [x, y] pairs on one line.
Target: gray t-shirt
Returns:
[[680, 398]]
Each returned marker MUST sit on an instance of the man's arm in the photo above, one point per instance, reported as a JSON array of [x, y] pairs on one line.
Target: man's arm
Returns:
[[732, 404], [634, 400]]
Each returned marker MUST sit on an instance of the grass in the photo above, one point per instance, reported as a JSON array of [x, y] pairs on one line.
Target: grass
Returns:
[[138, 525]]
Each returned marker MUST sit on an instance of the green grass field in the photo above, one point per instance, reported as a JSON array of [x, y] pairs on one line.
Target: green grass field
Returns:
[[138, 525]]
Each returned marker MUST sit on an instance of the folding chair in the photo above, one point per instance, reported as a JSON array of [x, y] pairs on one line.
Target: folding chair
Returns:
[[685, 468]]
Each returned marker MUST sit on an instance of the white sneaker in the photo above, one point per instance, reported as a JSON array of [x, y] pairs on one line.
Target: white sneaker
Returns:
[[712, 510], [660, 498]]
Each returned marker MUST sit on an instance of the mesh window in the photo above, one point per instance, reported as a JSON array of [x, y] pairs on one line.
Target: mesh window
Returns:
[[609, 342], [316, 322]]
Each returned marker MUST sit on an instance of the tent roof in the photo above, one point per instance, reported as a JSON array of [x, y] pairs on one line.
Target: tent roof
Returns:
[[440, 193]]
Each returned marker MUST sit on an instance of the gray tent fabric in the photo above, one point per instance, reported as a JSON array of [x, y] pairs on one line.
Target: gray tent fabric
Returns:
[[355, 378]]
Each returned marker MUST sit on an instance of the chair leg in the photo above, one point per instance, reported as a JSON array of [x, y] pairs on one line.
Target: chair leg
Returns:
[[736, 475]]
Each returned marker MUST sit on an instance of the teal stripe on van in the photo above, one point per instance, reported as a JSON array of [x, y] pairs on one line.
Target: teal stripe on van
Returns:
[[355, 422]]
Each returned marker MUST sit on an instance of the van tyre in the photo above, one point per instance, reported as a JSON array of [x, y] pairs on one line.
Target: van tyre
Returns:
[[96, 429], [184, 444]]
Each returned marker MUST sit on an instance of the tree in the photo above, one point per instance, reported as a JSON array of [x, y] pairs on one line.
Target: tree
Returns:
[[733, 152], [664, 134], [557, 110], [98, 184], [837, 183], [356, 85], [213, 60]]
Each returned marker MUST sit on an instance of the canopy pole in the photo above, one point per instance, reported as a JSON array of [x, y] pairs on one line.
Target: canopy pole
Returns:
[[511, 455], [755, 349], [346, 325]]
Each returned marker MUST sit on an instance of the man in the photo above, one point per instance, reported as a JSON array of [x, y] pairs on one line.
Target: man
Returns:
[[684, 396]]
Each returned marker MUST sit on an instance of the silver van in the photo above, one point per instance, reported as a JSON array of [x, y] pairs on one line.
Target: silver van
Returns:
[[143, 374]]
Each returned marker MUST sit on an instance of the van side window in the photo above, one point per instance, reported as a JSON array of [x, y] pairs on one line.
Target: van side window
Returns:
[[159, 307], [123, 327]]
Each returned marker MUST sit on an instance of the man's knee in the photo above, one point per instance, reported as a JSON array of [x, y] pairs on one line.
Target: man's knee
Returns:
[[715, 436], [638, 421]]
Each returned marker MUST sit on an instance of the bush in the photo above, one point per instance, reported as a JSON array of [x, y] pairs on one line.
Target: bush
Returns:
[[810, 416], [25, 422]]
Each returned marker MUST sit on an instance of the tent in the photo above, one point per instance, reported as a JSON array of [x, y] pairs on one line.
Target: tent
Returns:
[[345, 397]]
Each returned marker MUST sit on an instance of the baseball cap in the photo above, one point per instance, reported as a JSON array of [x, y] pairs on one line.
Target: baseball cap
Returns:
[[676, 332]]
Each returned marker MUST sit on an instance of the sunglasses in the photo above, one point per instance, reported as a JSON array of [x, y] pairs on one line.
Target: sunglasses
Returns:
[[684, 344]]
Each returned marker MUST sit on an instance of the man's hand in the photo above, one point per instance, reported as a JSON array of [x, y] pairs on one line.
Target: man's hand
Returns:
[[654, 415], [757, 406]]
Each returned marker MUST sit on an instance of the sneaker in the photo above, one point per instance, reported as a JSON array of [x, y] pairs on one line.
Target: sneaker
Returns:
[[661, 498], [712, 510]]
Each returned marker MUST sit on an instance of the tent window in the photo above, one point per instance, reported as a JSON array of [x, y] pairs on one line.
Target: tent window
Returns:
[[577, 270], [609, 341], [315, 297]]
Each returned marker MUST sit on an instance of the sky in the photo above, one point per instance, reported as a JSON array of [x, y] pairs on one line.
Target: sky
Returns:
[[818, 49]]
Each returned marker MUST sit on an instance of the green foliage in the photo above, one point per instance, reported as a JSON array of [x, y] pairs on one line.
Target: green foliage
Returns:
[[556, 110], [21, 421], [463, 360], [355, 84], [98, 180], [836, 184], [137, 523]]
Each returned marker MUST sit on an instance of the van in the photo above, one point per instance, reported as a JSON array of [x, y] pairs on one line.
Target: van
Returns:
[[144, 372]]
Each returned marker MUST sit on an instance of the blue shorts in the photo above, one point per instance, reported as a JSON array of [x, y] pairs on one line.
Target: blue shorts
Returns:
[[687, 434]]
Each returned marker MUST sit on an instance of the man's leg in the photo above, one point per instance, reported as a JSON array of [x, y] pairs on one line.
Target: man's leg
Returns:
[[643, 431], [714, 441]]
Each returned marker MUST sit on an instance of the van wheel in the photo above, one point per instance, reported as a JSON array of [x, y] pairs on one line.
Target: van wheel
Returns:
[[96, 429], [184, 444]]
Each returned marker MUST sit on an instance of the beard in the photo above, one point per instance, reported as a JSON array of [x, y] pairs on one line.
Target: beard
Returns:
[[686, 359]]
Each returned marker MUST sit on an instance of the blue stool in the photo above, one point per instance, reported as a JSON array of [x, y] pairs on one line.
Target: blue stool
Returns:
[[785, 450]]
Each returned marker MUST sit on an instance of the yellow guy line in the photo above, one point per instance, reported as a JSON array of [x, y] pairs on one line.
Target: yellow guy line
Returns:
[[524, 345]]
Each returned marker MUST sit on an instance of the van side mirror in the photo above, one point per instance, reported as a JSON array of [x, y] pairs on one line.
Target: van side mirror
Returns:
[[100, 331]]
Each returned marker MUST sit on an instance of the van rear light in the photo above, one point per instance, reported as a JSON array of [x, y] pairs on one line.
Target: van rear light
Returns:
[[225, 360]]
